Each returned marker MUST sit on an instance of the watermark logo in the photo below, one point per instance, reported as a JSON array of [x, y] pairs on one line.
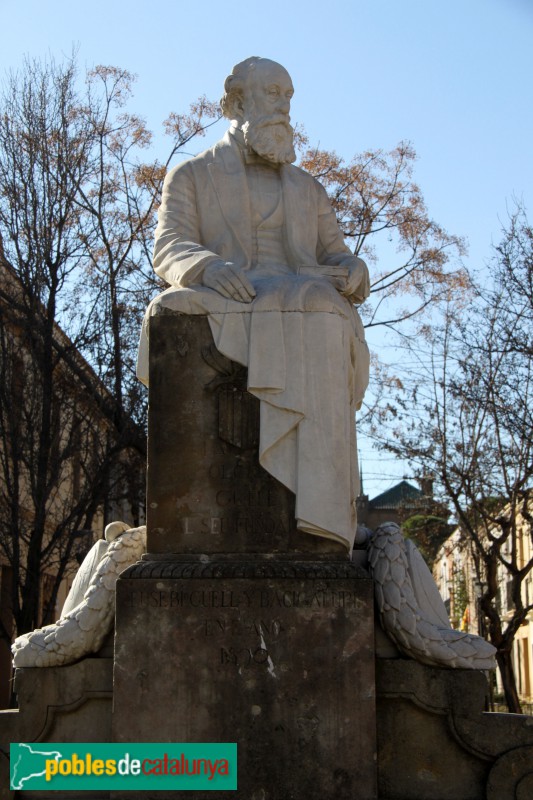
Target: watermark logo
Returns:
[[99, 766]]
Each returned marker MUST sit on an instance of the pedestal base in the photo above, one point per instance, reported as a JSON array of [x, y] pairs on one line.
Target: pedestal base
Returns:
[[276, 656]]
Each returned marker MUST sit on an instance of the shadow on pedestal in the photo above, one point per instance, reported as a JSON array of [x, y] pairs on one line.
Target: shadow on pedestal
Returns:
[[435, 742], [59, 704]]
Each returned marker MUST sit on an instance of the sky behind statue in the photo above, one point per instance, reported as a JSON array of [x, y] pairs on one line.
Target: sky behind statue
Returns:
[[453, 78]]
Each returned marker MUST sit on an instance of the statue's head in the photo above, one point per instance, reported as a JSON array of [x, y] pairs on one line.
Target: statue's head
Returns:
[[257, 97]]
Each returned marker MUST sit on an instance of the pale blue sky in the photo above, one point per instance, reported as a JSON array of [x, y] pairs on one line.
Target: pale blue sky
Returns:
[[455, 78]]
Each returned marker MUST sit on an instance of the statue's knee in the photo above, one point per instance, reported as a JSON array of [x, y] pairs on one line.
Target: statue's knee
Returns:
[[321, 296]]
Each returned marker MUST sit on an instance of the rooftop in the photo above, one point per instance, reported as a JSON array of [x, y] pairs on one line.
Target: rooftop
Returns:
[[403, 494]]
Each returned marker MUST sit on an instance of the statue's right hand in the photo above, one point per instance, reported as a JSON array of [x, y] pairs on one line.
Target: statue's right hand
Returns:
[[230, 281]]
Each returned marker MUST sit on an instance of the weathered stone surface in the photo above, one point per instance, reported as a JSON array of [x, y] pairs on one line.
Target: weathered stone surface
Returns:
[[206, 490], [512, 775], [435, 742], [281, 664], [59, 704], [434, 739], [66, 704]]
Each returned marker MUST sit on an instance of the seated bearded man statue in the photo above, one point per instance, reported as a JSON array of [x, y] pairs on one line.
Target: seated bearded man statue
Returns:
[[253, 242]]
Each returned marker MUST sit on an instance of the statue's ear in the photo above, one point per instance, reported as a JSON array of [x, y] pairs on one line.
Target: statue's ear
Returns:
[[236, 106]]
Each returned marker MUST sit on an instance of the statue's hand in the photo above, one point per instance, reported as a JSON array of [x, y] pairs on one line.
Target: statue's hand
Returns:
[[357, 286], [230, 281]]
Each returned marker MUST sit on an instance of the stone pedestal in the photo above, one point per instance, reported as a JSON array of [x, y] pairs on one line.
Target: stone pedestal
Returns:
[[236, 627], [207, 492], [276, 656]]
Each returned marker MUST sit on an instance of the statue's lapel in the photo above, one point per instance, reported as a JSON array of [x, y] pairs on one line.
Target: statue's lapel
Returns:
[[229, 179], [299, 217]]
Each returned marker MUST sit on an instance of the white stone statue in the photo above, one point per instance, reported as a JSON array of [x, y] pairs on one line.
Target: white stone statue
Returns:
[[89, 610], [253, 242]]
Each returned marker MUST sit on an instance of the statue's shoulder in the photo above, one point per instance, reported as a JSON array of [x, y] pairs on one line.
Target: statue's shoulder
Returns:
[[201, 161], [298, 172], [304, 179]]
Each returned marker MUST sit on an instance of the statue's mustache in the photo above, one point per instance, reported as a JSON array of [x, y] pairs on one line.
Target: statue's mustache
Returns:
[[266, 120]]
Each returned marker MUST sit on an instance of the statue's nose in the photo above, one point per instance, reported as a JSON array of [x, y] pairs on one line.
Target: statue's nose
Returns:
[[284, 104]]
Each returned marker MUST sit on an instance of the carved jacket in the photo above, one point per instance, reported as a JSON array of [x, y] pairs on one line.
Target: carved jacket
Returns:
[[205, 217]]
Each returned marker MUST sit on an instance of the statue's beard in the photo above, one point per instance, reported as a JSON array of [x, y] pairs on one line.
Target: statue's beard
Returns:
[[271, 138]]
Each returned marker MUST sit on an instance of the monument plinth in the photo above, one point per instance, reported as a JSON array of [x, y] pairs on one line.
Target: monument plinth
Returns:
[[277, 657], [235, 626]]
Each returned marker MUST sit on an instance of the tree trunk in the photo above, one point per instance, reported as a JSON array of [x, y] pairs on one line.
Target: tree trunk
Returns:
[[505, 665]]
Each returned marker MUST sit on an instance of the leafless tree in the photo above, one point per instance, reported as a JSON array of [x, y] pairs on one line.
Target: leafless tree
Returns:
[[77, 206], [381, 209], [467, 416]]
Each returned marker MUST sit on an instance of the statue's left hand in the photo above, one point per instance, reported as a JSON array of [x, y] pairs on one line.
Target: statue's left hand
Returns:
[[357, 286]]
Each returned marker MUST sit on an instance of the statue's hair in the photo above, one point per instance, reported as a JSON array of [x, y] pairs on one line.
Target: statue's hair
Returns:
[[235, 83]]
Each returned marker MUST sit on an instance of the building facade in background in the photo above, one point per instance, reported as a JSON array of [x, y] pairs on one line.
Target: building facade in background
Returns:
[[461, 582], [63, 472]]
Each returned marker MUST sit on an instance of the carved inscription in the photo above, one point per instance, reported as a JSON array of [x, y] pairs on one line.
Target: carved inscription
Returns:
[[244, 656], [246, 625], [224, 627], [241, 485], [249, 524], [247, 503], [233, 632], [253, 598], [234, 471]]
